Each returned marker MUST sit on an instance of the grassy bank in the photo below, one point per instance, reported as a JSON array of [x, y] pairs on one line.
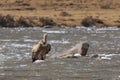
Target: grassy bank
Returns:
[[59, 12]]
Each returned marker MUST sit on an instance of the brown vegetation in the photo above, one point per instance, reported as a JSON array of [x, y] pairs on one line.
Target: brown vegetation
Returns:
[[90, 21], [11, 21], [7, 21], [47, 21], [58, 12], [65, 14]]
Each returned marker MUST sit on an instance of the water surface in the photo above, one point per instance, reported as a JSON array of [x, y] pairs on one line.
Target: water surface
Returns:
[[15, 54]]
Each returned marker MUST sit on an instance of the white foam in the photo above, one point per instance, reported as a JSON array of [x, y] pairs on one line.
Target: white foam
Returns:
[[108, 28], [116, 37], [14, 56], [59, 62], [1, 67], [108, 56], [27, 54], [2, 74], [23, 65], [35, 28], [47, 31], [20, 45], [19, 56], [39, 61], [7, 40], [119, 76], [2, 57], [30, 40], [77, 55], [98, 30], [61, 42], [0, 48]]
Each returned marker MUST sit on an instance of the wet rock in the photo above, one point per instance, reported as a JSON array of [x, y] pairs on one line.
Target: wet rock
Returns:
[[96, 56]]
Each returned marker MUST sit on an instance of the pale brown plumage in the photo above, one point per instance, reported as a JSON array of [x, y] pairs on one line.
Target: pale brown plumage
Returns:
[[40, 49], [81, 48]]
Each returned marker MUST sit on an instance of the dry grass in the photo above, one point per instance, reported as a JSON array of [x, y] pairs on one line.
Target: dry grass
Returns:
[[109, 12]]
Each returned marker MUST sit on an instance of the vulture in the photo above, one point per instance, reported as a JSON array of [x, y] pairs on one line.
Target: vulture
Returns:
[[81, 48], [40, 49]]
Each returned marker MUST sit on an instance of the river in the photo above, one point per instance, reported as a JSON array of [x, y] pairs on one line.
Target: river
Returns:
[[16, 63]]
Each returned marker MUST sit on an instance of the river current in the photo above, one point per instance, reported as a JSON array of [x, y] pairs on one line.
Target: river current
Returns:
[[16, 63]]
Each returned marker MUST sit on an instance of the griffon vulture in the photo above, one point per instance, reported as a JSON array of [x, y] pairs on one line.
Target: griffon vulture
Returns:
[[40, 49]]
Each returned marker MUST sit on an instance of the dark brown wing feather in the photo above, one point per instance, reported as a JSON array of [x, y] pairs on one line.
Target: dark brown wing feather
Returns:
[[41, 53], [48, 48]]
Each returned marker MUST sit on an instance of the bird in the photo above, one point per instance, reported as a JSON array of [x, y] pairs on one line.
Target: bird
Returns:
[[81, 48], [40, 49]]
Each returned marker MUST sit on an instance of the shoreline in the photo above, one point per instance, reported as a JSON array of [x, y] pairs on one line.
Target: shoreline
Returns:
[[14, 13], [58, 18]]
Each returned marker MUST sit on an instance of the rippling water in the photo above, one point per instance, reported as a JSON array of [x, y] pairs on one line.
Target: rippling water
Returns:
[[15, 54]]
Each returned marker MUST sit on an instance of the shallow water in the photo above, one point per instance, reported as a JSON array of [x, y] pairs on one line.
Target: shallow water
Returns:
[[15, 54]]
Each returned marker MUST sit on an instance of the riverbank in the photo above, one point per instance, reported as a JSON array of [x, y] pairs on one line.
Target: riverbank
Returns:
[[32, 13]]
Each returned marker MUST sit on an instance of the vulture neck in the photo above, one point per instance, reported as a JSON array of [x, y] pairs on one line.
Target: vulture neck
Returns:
[[44, 39]]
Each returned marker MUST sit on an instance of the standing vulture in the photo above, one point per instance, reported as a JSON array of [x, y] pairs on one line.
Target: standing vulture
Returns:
[[40, 49]]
